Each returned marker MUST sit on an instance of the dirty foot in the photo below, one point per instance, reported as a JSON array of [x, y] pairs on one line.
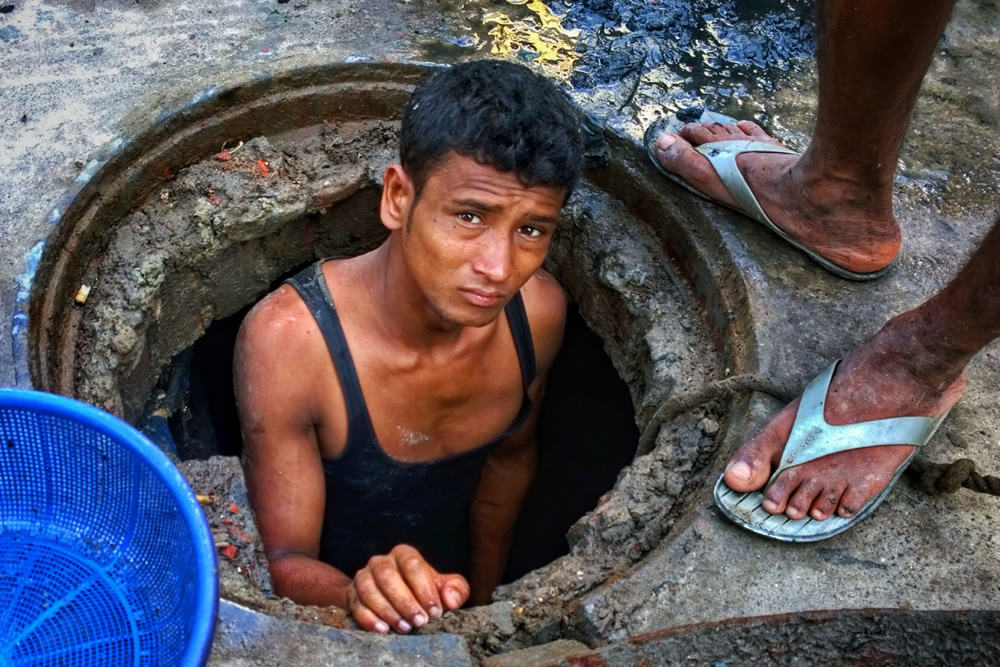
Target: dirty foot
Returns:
[[845, 221], [891, 375]]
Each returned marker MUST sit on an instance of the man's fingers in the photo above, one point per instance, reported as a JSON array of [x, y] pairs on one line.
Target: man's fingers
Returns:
[[454, 590], [363, 616], [402, 591], [421, 579], [388, 575], [371, 597]]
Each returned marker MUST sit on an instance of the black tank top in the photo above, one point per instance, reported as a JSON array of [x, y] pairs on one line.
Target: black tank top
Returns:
[[375, 502]]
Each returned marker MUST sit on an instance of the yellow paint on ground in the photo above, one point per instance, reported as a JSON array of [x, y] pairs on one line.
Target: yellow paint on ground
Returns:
[[541, 33]]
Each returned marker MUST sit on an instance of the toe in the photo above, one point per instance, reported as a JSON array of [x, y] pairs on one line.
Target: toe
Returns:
[[853, 500], [701, 133], [848, 507], [781, 491], [677, 156], [755, 131], [719, 131], [665, 143], [802, 500], [869, 482], [825, 503], [751, 466]]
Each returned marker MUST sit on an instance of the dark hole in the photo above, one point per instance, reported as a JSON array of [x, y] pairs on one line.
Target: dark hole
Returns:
[[586, 433], [10, 444]]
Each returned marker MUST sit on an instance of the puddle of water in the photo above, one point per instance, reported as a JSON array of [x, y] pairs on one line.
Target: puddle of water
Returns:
[[646, 57]]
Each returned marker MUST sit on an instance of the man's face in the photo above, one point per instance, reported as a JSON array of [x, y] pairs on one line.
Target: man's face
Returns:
[[474, 238]]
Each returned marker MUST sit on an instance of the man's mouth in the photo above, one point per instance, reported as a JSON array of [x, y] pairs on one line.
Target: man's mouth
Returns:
[[481, 297]]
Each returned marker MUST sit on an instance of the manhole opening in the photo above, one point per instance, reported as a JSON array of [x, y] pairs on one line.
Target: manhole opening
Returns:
[[199, 226]]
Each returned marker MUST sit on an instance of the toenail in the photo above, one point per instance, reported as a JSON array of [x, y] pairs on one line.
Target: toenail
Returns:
[[846, 513], [665, 141], [739, 469]]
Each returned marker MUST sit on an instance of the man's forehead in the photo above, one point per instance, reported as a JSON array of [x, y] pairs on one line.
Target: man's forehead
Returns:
[[456, 173]]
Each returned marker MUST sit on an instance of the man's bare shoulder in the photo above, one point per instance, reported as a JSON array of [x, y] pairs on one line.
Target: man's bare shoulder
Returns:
[[545, 303], [278, 340], [543, 291], [279, 318]]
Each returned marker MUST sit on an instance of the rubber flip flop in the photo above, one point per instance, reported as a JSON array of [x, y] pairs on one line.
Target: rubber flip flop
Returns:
[[722, 156], [811, 438]]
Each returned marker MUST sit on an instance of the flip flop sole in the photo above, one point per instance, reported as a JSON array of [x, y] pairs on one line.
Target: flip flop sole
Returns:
[[745, 510]]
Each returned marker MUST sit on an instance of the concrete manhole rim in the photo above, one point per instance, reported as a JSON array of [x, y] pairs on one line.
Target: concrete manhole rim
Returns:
[[126, 171], [183, 132]]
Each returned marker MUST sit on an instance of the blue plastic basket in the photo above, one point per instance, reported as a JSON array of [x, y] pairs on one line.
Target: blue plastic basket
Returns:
[[105, 555]]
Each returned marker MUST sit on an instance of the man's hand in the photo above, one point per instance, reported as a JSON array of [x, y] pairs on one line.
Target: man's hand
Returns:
[[402, 591]]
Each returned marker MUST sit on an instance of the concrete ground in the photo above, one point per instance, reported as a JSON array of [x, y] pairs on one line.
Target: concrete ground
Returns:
[[80, 74]]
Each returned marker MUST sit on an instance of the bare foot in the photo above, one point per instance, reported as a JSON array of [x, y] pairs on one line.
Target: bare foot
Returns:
[[847, 222], [891, 375]]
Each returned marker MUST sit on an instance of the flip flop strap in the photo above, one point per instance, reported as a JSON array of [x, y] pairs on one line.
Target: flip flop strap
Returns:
[[812, 436], [722, 156]]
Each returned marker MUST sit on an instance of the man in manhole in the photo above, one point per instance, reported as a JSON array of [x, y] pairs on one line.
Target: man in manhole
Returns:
[[389, 439]]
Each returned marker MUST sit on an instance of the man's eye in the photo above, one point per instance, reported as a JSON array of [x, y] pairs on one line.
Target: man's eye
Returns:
[[533, 232], [471, 218]]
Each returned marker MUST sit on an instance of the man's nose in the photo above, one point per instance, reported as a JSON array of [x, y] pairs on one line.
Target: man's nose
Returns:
[[494, 259]]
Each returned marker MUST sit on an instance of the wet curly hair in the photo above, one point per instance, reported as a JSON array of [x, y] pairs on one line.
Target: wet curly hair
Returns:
[[498, 113]]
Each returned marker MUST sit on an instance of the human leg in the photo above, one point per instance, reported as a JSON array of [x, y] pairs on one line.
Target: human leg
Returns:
[[837, 197], [914, 366]]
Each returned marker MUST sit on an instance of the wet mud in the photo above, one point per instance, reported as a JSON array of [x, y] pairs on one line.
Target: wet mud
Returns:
[[677, 54], [628, 54], [214, 239]]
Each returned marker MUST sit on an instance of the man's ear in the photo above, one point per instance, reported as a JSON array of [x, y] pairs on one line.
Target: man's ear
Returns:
[[397, 197]]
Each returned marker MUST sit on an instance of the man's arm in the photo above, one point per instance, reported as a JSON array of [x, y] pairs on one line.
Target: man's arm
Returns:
[[284, 472], [510, 469], [505, 481]]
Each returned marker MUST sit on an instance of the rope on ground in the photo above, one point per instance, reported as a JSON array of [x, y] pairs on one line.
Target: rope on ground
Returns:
[[728, 387], [950, 477]]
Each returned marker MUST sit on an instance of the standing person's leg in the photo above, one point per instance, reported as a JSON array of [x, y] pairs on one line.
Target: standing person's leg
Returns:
[[914, 366], [836, 198]]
